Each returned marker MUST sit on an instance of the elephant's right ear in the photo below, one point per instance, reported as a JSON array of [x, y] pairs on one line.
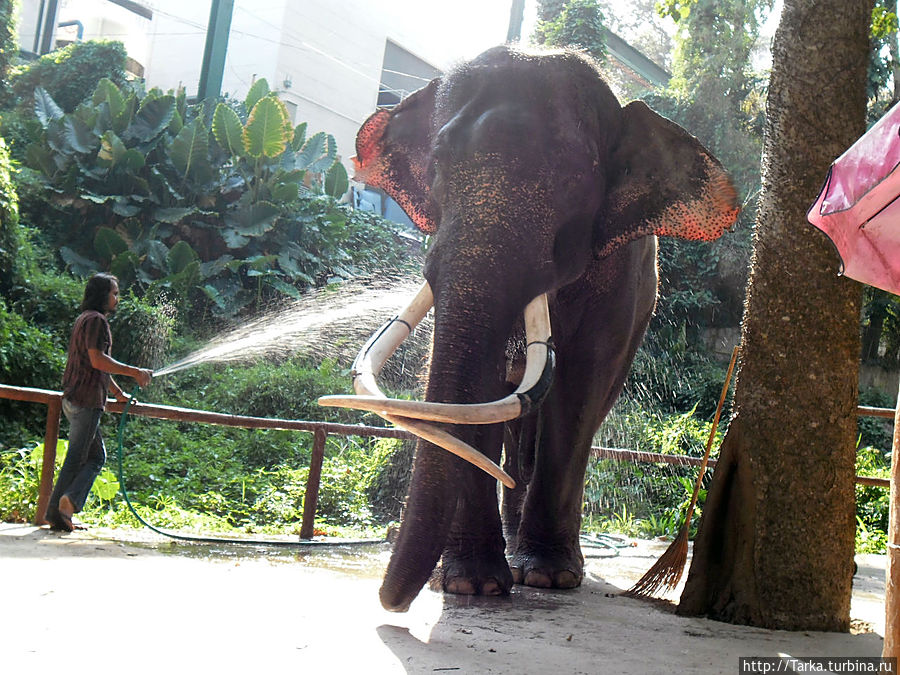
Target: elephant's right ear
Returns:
[[392, 151]]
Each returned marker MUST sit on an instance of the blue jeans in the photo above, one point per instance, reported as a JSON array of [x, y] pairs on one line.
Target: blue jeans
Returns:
[[84, 459]]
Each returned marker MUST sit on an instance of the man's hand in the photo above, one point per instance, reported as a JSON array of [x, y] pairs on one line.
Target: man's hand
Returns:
[[142, 376]]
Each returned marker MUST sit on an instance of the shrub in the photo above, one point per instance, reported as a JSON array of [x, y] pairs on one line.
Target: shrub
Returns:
[[49, 300], [9, 47], [70, 74], [20, 478], [872, 503], [875, 431], [142, 331], [29, 357], [10, 237]]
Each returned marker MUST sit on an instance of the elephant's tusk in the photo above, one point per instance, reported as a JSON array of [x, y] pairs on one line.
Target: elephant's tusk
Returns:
[[384, 342], [452, 444], [407, 414], [535, 383]]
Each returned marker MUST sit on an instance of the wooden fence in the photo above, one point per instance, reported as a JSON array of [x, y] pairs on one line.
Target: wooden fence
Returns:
[[320, 431]]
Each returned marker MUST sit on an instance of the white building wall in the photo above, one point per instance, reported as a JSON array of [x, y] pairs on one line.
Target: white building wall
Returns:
[[323, 56]]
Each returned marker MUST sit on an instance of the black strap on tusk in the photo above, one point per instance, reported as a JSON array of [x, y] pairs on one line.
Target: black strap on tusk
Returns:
[[529, 400], [376, 336]]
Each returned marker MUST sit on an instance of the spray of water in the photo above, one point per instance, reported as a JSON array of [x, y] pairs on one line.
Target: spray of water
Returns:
[[315, 322]]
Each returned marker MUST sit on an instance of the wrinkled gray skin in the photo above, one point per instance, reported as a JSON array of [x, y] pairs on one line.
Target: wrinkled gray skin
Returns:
[[533, 179]]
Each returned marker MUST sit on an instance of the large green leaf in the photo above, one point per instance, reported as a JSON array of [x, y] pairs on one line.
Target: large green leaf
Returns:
[[133, 159], [249, 221], [112, 150], [77, 263], [123, 207], [152, 117], [189, 149], [107, 91], [125, 266], [253, 220], [287, 289], [268, 130], [40, 157], [177, 123], [299, 137], [327, 158], [227, 129], [180, 256], [285, 192], [318, 154], [105, 486], [45, 108], [157, 253], [258, 90], [108, 243], [172, 215], [69, 135], [214, 267], [122, 121], [336, 181]]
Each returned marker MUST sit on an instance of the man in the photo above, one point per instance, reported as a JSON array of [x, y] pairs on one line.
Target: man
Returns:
[[86, 384]]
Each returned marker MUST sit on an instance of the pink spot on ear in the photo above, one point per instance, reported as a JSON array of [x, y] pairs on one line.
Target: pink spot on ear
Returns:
[[370, 147]]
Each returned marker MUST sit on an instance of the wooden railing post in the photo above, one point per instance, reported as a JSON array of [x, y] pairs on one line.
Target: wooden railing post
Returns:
[[311, 498], [892, 577], [48, 463]]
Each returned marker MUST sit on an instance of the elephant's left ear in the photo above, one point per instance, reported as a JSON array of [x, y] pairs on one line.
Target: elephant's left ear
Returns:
[[662, 181]]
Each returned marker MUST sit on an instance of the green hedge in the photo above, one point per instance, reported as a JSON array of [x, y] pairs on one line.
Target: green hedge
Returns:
[[10, 236]]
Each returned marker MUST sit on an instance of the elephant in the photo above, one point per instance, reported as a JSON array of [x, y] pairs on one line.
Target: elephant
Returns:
[[539, 190]]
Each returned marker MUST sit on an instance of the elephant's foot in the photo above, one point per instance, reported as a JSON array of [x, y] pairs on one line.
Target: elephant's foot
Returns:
[[557, 567], [468, 571]]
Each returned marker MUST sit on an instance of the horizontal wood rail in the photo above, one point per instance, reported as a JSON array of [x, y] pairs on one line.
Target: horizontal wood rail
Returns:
[[320, 431]]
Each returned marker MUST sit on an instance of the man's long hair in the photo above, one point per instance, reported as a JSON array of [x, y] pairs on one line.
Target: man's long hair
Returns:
[[96, 292]]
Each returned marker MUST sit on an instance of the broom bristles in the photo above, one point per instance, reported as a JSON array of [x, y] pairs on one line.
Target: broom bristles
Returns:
[[666, 572], [668, 569]]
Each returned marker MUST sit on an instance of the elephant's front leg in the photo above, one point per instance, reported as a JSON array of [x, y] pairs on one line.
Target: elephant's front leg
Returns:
[[603, 326], [547, 553], [473, 562]]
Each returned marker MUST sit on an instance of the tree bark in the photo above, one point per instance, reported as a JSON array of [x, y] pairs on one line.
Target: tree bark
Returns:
[[776, 542]]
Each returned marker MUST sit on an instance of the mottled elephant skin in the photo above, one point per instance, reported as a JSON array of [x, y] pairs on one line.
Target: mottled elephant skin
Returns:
[[531, 178]]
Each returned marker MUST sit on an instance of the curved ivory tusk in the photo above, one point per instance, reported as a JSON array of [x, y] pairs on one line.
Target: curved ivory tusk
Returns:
[[388, 338], [452, 444], [384, 342], [536, 381]]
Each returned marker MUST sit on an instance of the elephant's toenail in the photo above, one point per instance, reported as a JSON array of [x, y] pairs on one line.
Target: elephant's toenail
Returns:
[[567, 579], [538, 580], [460, 587]]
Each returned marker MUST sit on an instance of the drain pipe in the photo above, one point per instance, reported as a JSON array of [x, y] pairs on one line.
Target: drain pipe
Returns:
[[75, 22]]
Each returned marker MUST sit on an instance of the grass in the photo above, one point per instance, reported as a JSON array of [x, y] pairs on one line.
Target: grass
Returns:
[[206, 478]]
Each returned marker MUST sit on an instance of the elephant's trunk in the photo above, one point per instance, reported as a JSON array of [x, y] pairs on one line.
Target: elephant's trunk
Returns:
[[467, 366], [427, 519]]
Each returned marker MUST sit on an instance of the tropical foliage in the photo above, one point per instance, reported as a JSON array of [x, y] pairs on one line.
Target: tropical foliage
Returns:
[[578, 24], [203, 201]]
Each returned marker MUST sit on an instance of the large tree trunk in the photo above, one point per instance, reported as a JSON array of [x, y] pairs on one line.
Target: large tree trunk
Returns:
[[775, 546]]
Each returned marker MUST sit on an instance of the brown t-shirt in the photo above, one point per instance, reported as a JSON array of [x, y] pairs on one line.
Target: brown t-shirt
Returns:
[[84, 385]]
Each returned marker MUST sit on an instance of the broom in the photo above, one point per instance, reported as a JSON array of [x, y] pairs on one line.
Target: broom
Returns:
[[670, 566]]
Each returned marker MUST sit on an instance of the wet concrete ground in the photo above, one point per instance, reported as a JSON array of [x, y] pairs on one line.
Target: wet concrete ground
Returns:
[[132, 601]]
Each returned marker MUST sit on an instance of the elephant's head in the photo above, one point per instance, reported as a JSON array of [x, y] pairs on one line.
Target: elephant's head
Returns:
[[525, 169]]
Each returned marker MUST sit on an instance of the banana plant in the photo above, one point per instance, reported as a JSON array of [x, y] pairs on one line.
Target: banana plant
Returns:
[[192, 198]]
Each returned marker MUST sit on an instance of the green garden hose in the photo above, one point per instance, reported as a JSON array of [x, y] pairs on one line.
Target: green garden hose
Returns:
[[213, 540]]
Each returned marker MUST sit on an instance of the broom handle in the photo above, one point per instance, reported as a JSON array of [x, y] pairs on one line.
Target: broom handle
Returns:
[[712, 437]]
